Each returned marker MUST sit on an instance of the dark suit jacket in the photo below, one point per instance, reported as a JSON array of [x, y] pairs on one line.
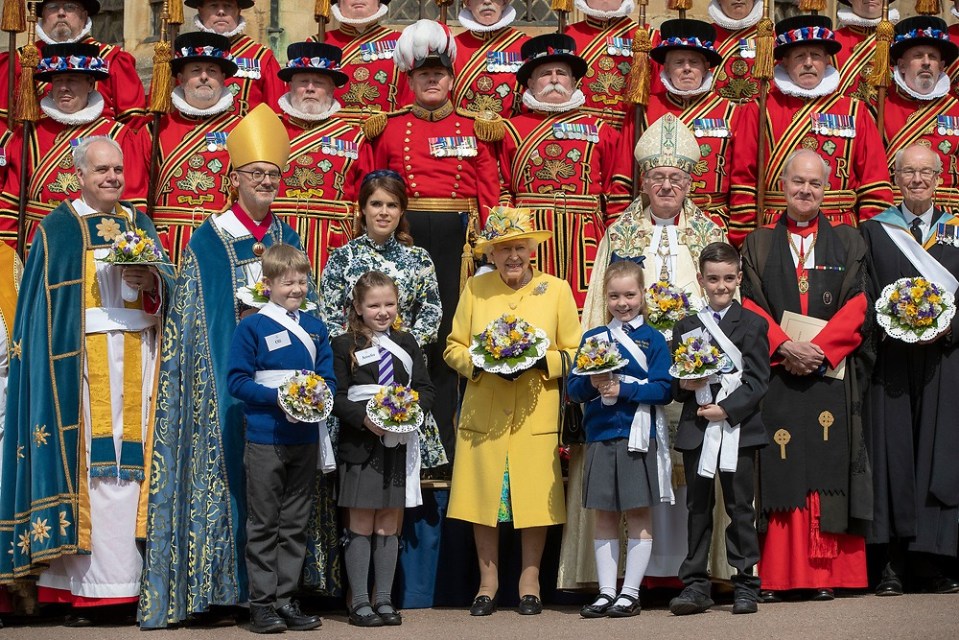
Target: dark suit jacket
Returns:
[[356, 442], [748, 331]]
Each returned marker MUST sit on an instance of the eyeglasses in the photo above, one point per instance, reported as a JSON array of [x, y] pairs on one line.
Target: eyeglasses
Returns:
[[258, 175], [67, 7], [675, 179], [925, 174]]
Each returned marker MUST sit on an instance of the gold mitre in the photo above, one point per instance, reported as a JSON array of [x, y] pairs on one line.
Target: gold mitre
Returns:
[[667, 143], [260, 137]]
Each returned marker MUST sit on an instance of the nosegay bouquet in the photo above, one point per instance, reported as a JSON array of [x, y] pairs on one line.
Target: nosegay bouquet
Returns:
[[394, 408], [694, 359], [306, 397], [507, 345], [666, 305], [135, 248], [598, 356], [915, 309]]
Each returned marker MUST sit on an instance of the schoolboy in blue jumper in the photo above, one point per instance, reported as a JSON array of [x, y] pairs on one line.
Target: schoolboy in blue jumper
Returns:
[[627, 467], [281, 453], [722, 436]]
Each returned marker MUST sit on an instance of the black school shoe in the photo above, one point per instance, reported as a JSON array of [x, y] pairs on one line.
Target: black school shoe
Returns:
[[530, 606], [388, 614], [594, 610], [483, 606], [624, 611], [265, 619], [366, 620], [295, 619], [688, 602]]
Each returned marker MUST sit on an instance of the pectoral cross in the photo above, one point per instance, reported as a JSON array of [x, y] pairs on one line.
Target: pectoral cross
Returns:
[[782, 438], [826, 419]]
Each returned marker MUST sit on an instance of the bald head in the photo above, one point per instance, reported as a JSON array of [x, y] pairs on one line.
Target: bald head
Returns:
[[804, 182], [917, 175]]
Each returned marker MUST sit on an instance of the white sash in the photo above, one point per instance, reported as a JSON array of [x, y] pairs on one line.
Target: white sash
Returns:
[[642, 418], [361, 392], [928, 267], [276, 312], [721, 440], [104, 319], [272, 379]]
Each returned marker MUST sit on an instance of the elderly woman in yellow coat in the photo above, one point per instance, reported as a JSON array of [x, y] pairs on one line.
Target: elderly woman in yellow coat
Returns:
[[507, 466]]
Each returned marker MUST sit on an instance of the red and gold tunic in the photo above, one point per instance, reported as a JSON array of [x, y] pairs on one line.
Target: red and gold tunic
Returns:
[[933, 124], [52, 176], [713, 120], [123, 97], [560, 165], [953, 69], [256, 81], [485, 70], [845, 136], [606, 45], [375, 84], [733, 79], [192, 177], [317, 192], [854, 62]]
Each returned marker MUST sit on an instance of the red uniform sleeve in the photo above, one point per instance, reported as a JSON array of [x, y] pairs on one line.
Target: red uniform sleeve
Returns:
[[873, 190], [487, 179], [618, 188], [136, 165], [743, 176], [506, 151], [126, 89], [621, 184], [843, 333], [273, 88]]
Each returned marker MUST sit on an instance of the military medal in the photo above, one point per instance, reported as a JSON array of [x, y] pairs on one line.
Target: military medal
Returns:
[[215, 141], [747, 48], [258, 248], [247, 68]]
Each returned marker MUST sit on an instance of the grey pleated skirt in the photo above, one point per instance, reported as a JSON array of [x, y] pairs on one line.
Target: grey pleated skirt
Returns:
[[378, 483], [616, 479]]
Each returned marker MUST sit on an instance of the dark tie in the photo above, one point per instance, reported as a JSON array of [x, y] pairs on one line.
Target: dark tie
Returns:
[[717, 317], [292, 315], [916, 230]]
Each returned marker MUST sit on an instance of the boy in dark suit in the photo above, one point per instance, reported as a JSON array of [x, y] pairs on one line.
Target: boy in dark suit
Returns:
[[281, 452], [733, 419]]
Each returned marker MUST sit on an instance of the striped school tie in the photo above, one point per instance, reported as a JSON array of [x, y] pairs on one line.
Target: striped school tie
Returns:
[[386, 367]]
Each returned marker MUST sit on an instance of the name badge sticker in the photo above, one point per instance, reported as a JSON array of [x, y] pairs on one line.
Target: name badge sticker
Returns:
[[278, 340], [366, 356]]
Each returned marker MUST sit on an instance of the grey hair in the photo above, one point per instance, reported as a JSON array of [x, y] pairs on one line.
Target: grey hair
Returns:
[[80, 151], [897, 159], [826, 170]]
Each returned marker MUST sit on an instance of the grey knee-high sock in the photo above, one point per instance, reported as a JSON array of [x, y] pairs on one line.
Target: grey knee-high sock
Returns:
[[385, 552], [358, 568]]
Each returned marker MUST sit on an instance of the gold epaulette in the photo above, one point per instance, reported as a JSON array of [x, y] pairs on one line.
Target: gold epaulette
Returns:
[[488, 125], [374, 125]]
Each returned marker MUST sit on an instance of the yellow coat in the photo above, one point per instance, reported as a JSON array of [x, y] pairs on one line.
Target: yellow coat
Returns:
[[518, 419]]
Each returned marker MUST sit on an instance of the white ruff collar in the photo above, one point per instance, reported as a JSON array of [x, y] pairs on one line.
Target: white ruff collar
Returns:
[[828, 84], [705, 87], [287, 106], [85, 115], [941, 88], [625, 9], [575, 100], [225, 103], [360, 22], [953, 11], [724, 21], [240, 27], [467, 20], [847, 18], [84, 32]]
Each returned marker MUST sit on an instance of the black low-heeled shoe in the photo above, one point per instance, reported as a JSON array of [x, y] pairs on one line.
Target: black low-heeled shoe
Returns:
[[597, 609], [483, 606], [624, 610], [823, 595], [388, 614], [530, 605], [370, 619]]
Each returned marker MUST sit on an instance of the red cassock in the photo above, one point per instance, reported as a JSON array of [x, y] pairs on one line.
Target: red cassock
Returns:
[[606, 45], [485, 70], [256, 81], [561, 166], [845, 136], [123, 97], [934, 123], [713, 120], [52, 176], [733, 79], [854, 62], [375, 84], [412, 146], [317, 192], [192, 179]]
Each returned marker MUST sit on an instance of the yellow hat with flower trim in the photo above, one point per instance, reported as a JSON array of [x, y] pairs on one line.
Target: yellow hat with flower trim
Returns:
[[260, 137], [505, 224], [668, 142]]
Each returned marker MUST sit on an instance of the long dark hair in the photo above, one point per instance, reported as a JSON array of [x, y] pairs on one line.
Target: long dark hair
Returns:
[[396, 188], [362, 335]]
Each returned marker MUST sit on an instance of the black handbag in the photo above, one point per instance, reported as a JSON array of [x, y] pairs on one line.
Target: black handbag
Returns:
[[570, 413]]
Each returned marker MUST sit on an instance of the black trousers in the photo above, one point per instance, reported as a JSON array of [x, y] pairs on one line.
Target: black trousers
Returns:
[[279, 495], [442, 235], [742, 541]]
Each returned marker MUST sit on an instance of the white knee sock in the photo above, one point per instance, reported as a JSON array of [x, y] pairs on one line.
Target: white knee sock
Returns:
[[607, 560], [638, 552]]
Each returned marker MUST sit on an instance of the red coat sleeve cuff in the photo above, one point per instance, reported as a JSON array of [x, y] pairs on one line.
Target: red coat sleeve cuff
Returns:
[[776, 334], [843, 333]]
